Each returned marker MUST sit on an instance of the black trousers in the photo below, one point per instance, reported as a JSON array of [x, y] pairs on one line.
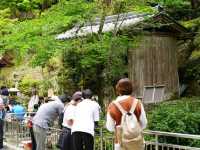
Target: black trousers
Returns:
[[66, 141], [82, 141], [33, 139], [1, 133]]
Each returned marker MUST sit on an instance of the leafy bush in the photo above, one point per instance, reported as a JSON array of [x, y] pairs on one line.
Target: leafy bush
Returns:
[[94, 62], [173, 4], [26, 84], [181, 116]]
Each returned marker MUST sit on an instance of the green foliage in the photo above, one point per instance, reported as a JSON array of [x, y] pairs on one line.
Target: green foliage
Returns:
[[192, 66], [193, 70], [191, 23], [195, 54], [5, 22], [8, 4], [197, 37], [174, 4], [181, 116], [37, 37], [90, 60], [26, 84], [143, 9], [93, 60], [25, 5], [117, 57], [13, 5]]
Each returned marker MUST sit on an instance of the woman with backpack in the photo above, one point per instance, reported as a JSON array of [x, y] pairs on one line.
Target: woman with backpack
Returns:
[[127, 118]]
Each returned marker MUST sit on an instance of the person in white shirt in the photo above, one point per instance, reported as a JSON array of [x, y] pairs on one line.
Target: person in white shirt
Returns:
[[95, 99], [124, 89], [34, 100], [69, 110], [85, 119]]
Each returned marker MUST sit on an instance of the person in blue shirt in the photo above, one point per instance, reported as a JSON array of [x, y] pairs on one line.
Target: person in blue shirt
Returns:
[[19, 111]]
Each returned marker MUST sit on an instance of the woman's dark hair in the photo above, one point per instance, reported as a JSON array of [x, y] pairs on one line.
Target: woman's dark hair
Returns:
[[12, 102], [3, 87], [77, 96], [124, 87], [87, 94], [4, 91], [36, 106]]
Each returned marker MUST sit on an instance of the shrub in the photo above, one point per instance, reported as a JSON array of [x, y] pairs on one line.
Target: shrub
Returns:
[[26, 84], [181, 116]]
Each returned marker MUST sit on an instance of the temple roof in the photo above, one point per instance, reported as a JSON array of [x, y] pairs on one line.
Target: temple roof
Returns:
[[120, 22]]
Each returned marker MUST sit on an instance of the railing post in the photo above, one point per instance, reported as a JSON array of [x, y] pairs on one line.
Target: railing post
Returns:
[[156, 137], [101, 135]]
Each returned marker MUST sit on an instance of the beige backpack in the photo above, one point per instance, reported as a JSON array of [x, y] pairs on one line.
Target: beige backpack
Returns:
[[130, 137]]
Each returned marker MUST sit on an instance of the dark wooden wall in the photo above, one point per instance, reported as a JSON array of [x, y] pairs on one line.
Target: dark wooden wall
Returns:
[[154, 62]]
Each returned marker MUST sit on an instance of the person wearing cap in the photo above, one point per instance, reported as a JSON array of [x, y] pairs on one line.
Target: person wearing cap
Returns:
[[44, 118], [65, 138], [86, 116]]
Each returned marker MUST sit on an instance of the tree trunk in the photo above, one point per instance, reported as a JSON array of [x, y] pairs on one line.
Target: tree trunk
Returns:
[[100, 84], [102, 21]]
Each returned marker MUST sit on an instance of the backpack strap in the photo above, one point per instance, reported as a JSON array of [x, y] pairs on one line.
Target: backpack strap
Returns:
[[134, 104], [121, 109]]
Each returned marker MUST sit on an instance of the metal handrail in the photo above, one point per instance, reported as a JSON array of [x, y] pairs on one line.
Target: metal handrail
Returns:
[[170, 134], [18, 131], [172, 146]]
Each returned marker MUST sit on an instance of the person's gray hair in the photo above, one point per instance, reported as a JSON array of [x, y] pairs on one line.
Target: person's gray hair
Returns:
[[65, 98]]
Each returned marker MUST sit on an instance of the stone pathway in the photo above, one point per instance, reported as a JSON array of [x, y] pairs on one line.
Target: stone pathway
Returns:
[[8, 146]]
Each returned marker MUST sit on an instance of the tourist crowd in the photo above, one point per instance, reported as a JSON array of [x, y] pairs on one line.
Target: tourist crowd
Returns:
[[79, 115]]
